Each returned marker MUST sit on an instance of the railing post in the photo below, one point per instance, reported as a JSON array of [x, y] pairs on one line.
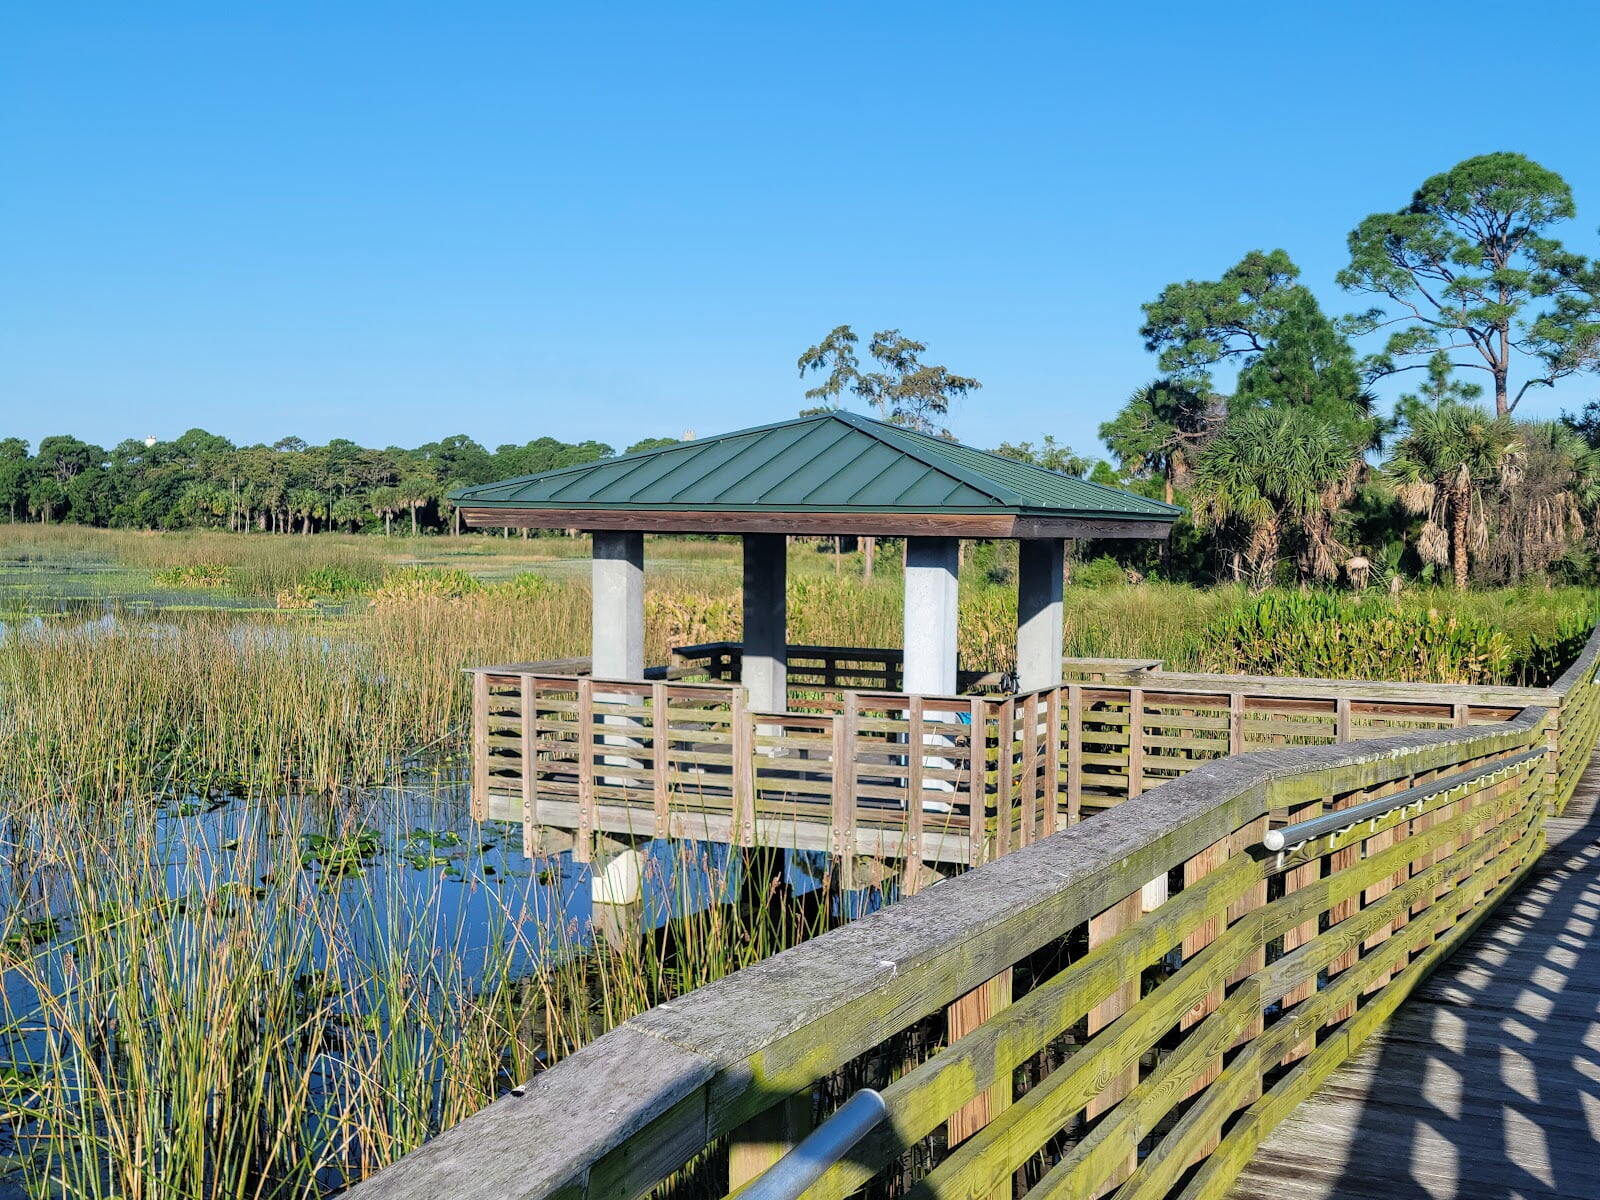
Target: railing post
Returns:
[[1074, 753], [1293, 880], [742, 750], [911, 850], [660, 723], [1377, 843], [1052, 762], [480, 746], [963, 1017], [1029, 830], [978, 773], [1212, 858], [1244, 841], [1004, 777], [843, 832], [583, 844], [530, 764], [1552, 773], [1119, 917], [767, 1137], [1236, 723], [1135, 742]]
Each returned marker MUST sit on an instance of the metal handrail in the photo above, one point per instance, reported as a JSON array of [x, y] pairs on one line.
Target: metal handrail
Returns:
[[791, 1175], [1346, 818]]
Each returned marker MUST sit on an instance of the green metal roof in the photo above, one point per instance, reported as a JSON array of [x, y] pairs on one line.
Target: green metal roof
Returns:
[[829, 463]]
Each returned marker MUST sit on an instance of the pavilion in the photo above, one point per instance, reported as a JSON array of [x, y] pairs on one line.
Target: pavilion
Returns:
[[833, 473]]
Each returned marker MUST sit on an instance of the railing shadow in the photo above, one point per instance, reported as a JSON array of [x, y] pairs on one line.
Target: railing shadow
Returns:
[[1486, 1083]]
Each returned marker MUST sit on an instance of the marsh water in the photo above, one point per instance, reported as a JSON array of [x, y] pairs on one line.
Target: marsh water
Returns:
[[403, 862]]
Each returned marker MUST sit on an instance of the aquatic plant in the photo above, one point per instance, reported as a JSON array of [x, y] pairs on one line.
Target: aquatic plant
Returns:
[[1326, 635]]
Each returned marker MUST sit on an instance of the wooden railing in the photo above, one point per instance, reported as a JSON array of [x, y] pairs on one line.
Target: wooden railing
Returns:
[[1146, 1039], [833, 773], [692, 761], [818, 674]]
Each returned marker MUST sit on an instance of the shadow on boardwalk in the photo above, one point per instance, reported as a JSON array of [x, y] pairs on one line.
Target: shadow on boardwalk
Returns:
[[1486, 1085]]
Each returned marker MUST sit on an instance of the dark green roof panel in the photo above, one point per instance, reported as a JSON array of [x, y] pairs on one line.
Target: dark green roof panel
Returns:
[[832, 462]]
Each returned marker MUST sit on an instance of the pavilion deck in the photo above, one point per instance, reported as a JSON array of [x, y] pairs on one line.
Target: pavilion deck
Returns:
[[683, 754]]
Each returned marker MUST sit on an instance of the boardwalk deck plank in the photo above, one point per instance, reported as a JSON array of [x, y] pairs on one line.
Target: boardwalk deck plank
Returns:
[[1486, 1085]]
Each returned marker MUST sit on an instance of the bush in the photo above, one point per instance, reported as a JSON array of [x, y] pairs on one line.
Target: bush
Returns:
[[1104, 571]]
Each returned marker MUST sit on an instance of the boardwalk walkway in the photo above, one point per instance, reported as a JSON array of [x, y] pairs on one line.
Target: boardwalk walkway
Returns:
[[1486, 1085]]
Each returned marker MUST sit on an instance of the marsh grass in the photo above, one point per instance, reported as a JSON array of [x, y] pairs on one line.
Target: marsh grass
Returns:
[[194, 1033], [196, 1007], [279, 1010]]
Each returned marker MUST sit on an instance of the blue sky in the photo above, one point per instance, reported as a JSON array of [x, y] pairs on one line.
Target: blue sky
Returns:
[[392, 222]]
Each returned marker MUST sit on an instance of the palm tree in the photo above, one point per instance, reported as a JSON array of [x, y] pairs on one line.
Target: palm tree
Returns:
[[1551, 478], [414, 492], [1272, 471], [308, 504], [348, 512], [385, 503], [1448, 454]]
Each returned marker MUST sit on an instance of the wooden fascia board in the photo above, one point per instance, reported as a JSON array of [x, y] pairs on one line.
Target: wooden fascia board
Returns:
[[867, 524]]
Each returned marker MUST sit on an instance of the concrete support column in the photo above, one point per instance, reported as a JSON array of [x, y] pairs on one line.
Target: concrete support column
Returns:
[[930, 615], [765, 670], [616, 633], [616, 639], [1039, 572]]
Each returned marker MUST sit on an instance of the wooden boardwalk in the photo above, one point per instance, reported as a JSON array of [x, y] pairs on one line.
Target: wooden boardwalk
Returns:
[[1486, 1085]]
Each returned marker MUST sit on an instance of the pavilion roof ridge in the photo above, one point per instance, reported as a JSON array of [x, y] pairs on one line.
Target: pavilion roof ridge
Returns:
[[938, 456], [832, 462], [885, 431]]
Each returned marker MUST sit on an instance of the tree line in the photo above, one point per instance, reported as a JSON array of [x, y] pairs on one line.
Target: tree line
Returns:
[[201, 480], [1263, 424]]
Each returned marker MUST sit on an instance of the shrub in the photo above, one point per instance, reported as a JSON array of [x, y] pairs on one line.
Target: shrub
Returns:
[[1104, 571]]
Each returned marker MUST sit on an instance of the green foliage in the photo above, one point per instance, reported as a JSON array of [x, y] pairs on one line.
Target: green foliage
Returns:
[[904, 390], [1273, 471], [1161, 429], [524, 583], [1195, 325], [1444, 459], [1328, 636], [326, 584], [1104, 571], [425, 583], [1471, 269], [195, 575], [1049, 454], [202, 481]]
